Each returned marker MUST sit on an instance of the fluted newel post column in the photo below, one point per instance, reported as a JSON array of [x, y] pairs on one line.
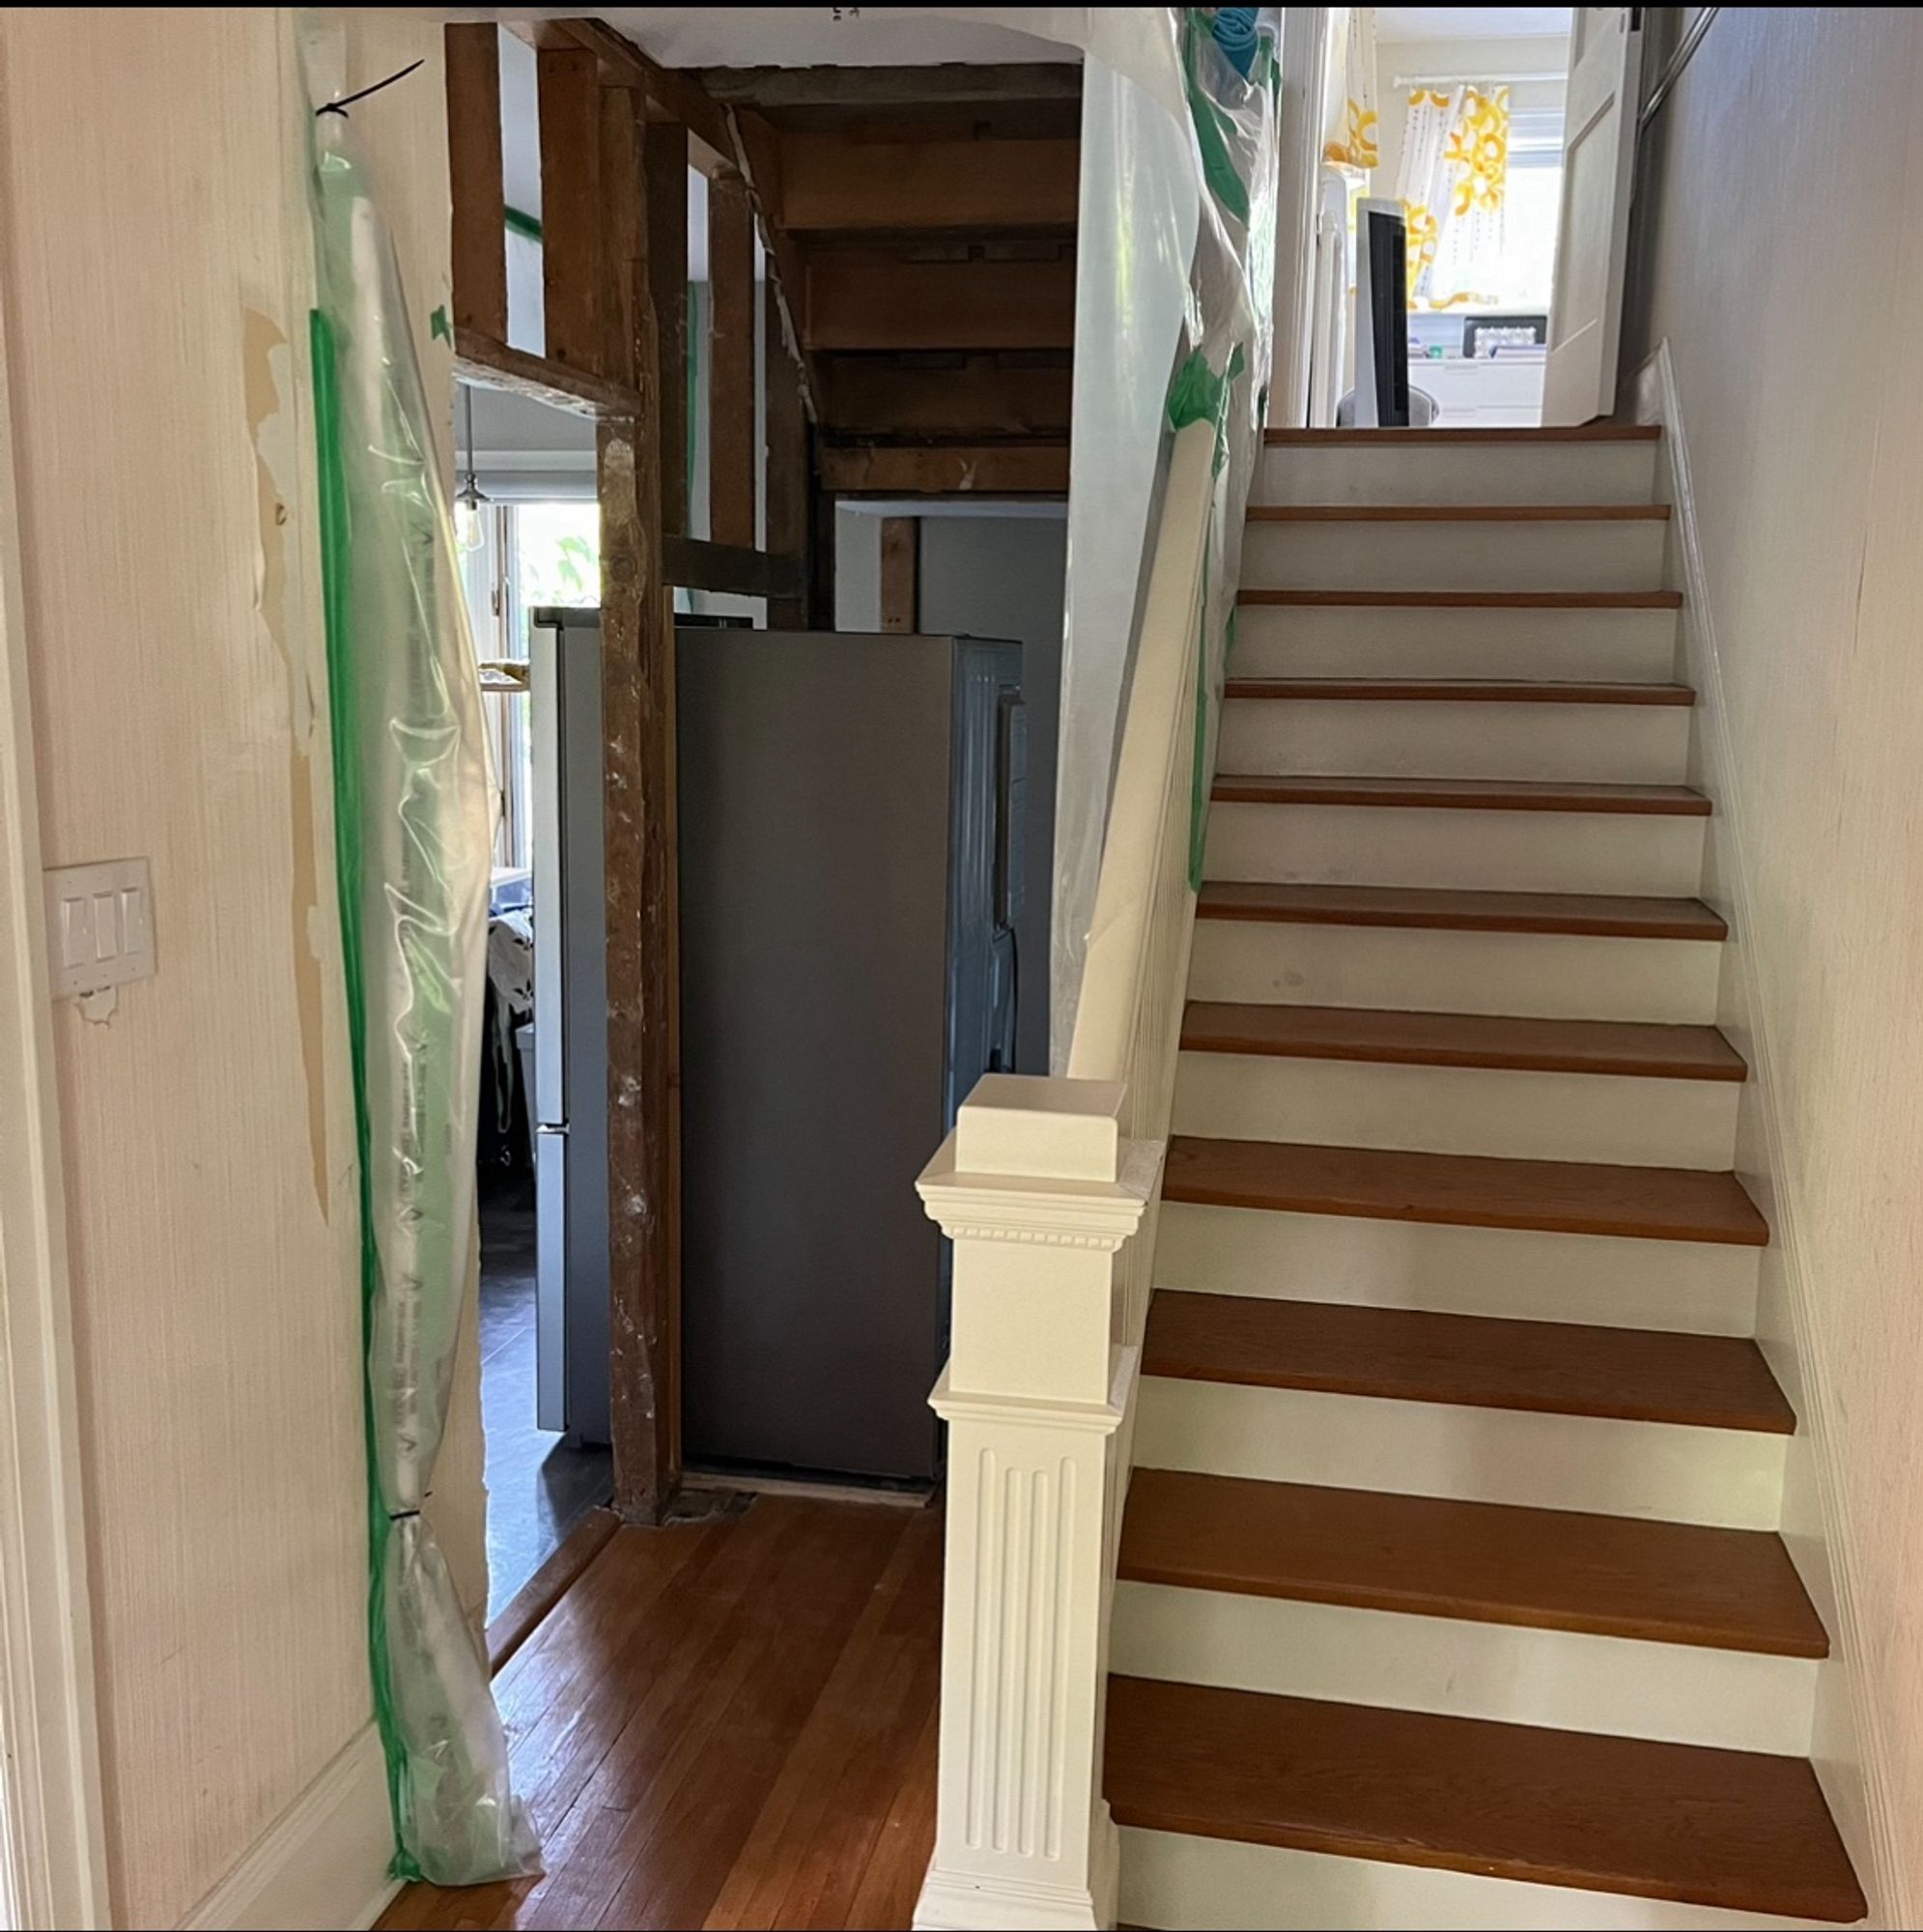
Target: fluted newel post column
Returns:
[[1038, 1190]]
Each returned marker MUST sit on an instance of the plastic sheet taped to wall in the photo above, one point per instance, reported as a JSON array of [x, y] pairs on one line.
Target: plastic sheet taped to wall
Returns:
[[1175, 297], [412, 839]]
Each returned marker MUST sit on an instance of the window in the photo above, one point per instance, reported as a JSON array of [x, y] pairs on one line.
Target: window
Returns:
[[521, 557]]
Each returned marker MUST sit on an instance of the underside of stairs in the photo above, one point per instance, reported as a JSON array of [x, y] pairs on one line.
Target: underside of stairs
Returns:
[[1450, 1589]]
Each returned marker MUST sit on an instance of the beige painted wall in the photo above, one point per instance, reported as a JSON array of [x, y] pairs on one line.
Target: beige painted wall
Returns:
[[1785, 276], [156, 258]]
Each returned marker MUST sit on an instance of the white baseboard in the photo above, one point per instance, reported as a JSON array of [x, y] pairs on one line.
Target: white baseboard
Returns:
[[322, 1865], [1848, 1749]]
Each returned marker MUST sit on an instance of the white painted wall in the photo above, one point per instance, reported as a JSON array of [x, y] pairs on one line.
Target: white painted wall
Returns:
[[1781, 275], [158, 269]]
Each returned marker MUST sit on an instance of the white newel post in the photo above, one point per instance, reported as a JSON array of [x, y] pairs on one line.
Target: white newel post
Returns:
[[1038, 1190]]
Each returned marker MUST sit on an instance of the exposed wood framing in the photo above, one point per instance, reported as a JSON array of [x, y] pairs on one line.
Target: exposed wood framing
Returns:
[[787, 460], [862, 301], [731, 451], [571, 224], [881, 87], [478, 243], [477, 359], [983, 469], [901, 573], [691, 565], [953, 395], [759, 150], [637, 635], [665, 188], [831, 183], [669, 96], [627, 306]]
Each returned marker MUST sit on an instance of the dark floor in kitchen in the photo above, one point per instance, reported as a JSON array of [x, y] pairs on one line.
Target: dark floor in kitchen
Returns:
[[537, 1487]]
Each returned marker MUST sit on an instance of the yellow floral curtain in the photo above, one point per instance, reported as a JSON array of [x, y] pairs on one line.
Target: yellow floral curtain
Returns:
[[1454, 171], [1352, 134]]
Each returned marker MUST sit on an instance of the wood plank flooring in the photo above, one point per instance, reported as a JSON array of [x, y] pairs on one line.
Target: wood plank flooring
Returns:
[[728, 1723]]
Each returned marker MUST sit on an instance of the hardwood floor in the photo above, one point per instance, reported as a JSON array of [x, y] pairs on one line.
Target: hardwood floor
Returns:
[[728, 1723]]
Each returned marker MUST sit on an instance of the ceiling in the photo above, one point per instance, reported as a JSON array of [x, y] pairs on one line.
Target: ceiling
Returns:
[[829, 36], [1404, 24]]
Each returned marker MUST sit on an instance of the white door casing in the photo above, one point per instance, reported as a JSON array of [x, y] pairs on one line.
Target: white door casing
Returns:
[[52, 1860], [1593, 232]]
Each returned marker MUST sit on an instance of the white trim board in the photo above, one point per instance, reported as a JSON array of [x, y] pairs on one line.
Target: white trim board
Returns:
[[52, 1854], [1849, 1748], [321, 1863]]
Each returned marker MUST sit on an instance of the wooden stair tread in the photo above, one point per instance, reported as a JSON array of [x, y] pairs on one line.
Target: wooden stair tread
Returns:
[[1630, 1047], [1458, 513], [1457, 690], [1461, 794], [1473, 599], [1596, 914], [1565, 1570], [1411, 1355], [1403, 439], [1742, 1831], [1661, 1204]]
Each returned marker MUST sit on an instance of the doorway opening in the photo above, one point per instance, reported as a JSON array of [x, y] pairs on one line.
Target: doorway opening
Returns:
[[527, 524]]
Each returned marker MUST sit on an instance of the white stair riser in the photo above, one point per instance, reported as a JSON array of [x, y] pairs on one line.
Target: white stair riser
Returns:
[[1658, 1469], [1449, 471], [1180, 1882], [1352, 640], [1605, 1281], [1526, 975], [1567, 1680], [1621, 555], [1492, 851], [1621, 744], [1618, 1119]]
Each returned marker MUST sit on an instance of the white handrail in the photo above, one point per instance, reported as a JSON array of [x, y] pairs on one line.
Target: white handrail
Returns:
[[1049, 1188]]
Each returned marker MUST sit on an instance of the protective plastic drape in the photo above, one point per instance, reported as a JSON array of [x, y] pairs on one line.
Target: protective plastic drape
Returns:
[[1174, 319], [413, 842]]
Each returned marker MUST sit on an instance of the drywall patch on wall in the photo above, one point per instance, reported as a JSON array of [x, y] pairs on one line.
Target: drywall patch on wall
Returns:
[[268, 371]]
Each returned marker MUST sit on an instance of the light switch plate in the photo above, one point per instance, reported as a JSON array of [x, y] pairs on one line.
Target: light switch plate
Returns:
[[99, 926]]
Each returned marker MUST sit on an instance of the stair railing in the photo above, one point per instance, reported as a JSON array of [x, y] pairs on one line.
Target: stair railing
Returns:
[[1049, 1190]]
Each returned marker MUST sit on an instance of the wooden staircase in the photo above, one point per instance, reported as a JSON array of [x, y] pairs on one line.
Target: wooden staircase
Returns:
[[1450, 1590]]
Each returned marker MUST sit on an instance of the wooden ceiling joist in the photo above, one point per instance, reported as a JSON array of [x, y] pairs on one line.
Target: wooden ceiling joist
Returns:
[[829, 182], [949, 84], [876, 301], [950, 396], [946, 470]]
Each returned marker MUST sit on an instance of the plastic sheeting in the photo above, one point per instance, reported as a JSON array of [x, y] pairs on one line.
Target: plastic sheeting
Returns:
[[413, 840], [1176, 287]]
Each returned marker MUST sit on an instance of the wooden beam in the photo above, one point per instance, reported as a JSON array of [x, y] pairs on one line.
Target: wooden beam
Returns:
[[571, 257], [901, 573], [873, 300], [627, 322], [664, 188], [759, 148], [493, 365], [956, 396], [731, 453], [947, 469], [831, 182], [779, 87], [693, 565], [823, 536], [787, 457], [637, 635], [478, 242], [670, 95]]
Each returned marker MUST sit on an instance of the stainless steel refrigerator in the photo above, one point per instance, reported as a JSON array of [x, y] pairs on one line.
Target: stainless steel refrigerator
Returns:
[[852, 824], [570, 1025], [851, 837]]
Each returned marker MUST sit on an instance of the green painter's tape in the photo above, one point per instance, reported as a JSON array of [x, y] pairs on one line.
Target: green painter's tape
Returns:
[[1213, 128], [517, 221], [337, 608], [439, 327]]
